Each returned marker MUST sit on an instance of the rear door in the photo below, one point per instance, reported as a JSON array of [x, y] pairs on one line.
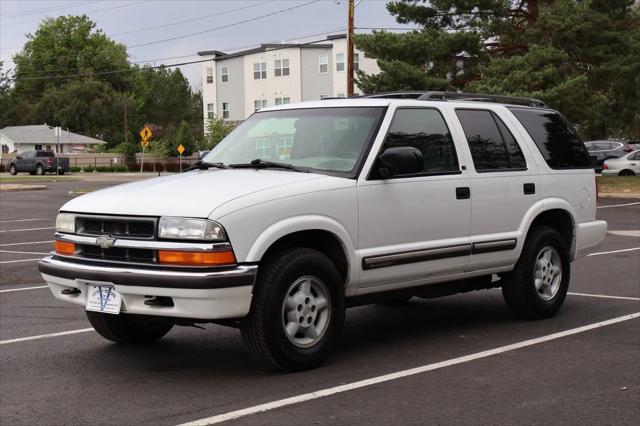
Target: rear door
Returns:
[[504, 184]]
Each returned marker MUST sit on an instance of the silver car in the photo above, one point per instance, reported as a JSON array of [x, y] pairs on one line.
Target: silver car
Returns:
[[627, 165]]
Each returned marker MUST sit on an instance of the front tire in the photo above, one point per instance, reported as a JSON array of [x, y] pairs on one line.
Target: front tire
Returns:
[[297, 311], [12, 170], [128, 329], [538, 285]]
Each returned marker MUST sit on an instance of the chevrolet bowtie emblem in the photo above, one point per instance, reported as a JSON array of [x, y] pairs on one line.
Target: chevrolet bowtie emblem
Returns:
[[105, 241]]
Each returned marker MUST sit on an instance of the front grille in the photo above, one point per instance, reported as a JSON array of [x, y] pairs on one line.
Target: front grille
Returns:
[[122, 227], [118, 254]]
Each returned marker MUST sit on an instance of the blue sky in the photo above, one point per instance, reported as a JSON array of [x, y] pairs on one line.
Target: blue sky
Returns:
[[137, 22]]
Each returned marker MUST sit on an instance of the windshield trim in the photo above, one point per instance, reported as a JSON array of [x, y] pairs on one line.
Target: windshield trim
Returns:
[[364, 153]]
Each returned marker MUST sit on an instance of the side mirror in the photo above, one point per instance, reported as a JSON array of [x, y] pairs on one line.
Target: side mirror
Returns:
[[18, 157], [402, 160], [203, 154]]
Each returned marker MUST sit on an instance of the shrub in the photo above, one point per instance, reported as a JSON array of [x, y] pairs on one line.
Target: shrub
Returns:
[[75, 169], [88, 169], [2, 168]]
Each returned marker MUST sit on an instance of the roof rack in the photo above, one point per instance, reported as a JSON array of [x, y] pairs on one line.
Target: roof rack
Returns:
[[459, 96]]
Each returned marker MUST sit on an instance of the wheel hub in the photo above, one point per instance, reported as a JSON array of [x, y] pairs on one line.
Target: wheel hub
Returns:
[[306, 311], [547, 273]]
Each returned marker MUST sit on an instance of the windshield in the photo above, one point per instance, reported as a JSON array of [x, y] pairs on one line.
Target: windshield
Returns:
[[329, 140]]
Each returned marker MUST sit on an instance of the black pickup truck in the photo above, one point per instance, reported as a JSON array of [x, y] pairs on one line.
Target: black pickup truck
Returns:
[[38, 163]]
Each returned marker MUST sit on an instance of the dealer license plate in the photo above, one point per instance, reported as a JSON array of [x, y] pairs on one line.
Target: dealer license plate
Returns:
[[103, 298]]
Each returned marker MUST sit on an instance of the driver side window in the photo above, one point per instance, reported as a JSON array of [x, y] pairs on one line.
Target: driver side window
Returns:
[[426, 130]]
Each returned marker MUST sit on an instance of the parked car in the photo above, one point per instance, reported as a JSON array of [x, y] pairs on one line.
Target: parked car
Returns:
[[38, 163], [627, 165], [599, 151], [305, 209]]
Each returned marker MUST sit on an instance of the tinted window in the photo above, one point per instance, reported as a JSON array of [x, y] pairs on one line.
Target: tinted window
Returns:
[[426, 130], [44, 154], [492, 145], [557, 141]]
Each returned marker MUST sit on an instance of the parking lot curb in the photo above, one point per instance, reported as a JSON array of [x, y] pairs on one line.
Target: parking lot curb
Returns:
[[11, 187], [619, 195]]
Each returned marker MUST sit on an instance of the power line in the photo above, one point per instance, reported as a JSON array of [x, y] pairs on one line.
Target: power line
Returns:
[[244, 21], [228, 49], [47, 9], [199, 61], [189, 20], [87, 12]]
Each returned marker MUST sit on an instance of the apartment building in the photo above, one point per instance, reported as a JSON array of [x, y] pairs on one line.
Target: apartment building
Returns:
[[235, 85]]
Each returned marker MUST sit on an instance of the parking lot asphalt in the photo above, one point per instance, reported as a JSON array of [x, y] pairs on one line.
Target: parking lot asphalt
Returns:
[[458, 360]]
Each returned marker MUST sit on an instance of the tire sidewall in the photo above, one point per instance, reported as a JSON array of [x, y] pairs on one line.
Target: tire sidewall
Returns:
[[13, 170], [39, 170], [541, 238], [283, 349]]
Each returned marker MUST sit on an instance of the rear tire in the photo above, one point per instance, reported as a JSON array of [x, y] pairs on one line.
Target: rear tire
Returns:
[[538, 285], [297, 311], [128, 329], [626, 173], [12, 170], [39, 170]]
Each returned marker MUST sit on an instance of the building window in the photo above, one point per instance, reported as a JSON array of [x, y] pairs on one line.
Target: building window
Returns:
[[209, 75], [224, 74], [281, 67], [260, 71], [323, 60], [38, 148], [225, 110], [339, 61], [210, 114], [283, 101], [5, 149], [259, 104], [356, 61]]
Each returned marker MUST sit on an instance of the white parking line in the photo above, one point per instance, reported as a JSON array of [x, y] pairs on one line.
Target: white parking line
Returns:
[[21, 260], [20, 252], [44, 336], [28, 229], [9, 290], [627, 233], [25, 244], [604, 296], [619, 205], [401, 374], [23, 220], [613, 251]]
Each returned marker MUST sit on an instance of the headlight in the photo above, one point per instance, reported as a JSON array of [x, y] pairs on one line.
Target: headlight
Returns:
[[66, 222], [179, 228]]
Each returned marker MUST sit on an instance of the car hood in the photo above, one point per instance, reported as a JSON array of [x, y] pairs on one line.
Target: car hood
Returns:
[[192, 194]]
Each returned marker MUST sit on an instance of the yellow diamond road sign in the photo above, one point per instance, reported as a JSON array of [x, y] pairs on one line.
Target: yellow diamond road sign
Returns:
[[180, 149], [146, 133]]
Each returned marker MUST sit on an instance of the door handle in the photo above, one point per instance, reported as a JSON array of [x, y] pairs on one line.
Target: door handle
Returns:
[[529, 188], [463, 193]]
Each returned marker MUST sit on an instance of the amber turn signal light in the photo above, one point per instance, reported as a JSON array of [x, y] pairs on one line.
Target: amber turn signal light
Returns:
[[190, 258], [65, 248]]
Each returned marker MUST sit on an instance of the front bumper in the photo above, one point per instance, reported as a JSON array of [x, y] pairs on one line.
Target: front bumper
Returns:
[[195, 294]]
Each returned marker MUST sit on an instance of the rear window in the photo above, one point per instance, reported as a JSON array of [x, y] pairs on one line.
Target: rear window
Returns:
[[557, 141], [45, 154]]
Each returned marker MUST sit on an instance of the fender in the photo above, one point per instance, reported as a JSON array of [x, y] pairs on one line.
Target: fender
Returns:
[[542, 206], [294, 224]]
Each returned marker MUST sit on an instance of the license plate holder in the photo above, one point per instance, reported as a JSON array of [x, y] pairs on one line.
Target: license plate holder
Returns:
[[103, 298]]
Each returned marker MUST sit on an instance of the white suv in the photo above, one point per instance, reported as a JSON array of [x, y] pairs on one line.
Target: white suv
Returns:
[[308, 208]]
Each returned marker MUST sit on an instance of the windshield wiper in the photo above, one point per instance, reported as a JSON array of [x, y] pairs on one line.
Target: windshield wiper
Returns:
[[262, 164], [203, 165]]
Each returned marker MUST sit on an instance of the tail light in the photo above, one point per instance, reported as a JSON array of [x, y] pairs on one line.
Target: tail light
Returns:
[[627, 148], [604, 166]]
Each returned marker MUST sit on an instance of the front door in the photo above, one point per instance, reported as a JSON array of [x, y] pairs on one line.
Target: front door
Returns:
[[412, 228]]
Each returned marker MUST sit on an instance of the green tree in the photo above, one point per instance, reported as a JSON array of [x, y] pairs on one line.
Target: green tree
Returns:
[[217, 129], [5, 97], [184, 136], [581, 57]]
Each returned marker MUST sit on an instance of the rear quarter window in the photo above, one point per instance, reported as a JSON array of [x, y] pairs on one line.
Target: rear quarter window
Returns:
[[557, 141], [45, 154]]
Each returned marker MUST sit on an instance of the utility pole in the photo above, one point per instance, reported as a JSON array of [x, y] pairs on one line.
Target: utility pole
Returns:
[[126, 119], [350, 50]]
